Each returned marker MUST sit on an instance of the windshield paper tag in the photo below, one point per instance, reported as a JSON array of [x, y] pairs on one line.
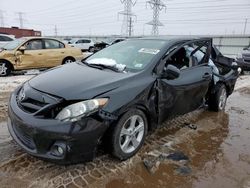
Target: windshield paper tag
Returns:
[[149, 51]]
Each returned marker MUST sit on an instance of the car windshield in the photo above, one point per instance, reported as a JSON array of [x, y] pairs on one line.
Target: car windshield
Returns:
[[13, 44], [134, 55]]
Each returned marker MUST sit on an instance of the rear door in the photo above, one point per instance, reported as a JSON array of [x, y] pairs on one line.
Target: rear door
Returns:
[[187, 92], [54, 53]]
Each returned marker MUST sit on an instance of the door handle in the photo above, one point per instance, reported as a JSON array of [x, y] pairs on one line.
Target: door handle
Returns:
[[206, 76], [62, 52], [40, 54]]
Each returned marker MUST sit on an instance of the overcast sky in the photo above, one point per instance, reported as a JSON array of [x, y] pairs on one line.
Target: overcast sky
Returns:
[[100, 17]]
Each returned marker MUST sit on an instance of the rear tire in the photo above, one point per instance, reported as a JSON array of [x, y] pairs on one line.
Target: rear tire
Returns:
[[218, 100], [5, 69], [129, 134], [68, 60]]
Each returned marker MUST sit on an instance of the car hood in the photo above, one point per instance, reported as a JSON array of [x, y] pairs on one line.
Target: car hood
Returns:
[[6, 53], [76, 81]]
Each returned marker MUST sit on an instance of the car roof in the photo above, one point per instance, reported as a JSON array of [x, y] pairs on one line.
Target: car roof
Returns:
[[173, 38], [29, 38]]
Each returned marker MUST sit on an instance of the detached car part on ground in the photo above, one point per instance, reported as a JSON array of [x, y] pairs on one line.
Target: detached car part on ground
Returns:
[[114, 97], [36, 53], [243, 59]]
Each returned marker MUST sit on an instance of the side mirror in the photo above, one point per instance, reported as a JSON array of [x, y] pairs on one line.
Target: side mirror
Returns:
[[171, 72], [22, 48], [246, 48]]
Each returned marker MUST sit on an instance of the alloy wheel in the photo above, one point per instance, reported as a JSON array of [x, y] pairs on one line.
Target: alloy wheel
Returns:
[[223, 99], [3, 69], [132, 133]]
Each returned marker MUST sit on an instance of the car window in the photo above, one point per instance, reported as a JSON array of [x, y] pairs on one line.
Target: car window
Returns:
[[34, 45], [79, 42], [86, 41], [5, 38], [53, 44], [188, 56]]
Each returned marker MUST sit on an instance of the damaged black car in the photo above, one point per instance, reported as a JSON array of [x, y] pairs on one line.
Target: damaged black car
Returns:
[[116, 96]]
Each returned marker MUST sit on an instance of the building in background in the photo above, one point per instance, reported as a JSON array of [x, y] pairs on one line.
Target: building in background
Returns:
[[17, 32]]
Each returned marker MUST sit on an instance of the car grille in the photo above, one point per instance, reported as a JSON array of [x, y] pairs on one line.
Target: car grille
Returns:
[[32, 101], [31, 105], [24, 135]]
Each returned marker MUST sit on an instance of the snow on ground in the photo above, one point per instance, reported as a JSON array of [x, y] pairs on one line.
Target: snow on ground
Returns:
[[8, 84], [242, 81]]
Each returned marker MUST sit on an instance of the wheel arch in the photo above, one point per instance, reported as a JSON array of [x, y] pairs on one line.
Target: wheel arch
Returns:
[[216, 87], [145, 110], [68, 57]]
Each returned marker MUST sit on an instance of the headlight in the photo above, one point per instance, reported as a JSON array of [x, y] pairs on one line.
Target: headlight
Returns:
[[75, 111]]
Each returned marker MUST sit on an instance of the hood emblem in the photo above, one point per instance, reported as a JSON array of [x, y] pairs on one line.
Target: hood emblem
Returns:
[[21, 96]]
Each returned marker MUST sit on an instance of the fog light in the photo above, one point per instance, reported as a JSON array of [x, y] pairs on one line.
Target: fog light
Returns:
[[60, 150]]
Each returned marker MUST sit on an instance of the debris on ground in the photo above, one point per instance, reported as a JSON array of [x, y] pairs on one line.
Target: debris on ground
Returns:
[[183, 170], [153, 159], [177, 156], [190, 125]]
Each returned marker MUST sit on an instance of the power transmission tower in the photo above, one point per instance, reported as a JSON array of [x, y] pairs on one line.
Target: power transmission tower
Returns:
[[157, 6], [1, 18], [56, 31], [245, 27], [127, 25], [21, 18]]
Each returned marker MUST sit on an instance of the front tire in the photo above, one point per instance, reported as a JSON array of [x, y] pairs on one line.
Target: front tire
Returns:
[[5, 69], [129, 134], [217, 101]]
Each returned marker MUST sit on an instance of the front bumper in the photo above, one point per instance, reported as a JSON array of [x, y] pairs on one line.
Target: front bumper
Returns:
[[39, 137]]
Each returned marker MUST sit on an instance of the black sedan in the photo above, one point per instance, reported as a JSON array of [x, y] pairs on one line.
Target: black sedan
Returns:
[[116, 96]]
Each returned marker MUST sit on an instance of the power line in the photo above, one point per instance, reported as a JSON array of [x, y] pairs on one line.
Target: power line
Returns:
[[128, 15], [157, 6]]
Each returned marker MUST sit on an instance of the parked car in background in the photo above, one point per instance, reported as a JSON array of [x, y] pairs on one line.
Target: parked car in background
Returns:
[[243, 59], [116, 96], [35, 53], [116, 40], [4, 39], [83, 44], [103, 44]]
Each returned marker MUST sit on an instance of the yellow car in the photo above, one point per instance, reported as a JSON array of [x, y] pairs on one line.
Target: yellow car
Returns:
[[36, 53]]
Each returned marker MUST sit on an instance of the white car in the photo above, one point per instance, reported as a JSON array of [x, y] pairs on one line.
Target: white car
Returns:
[[4, 39], [83, 43]]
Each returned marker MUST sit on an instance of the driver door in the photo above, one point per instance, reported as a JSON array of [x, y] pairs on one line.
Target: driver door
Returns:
[[187, 92], [32, 56]]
